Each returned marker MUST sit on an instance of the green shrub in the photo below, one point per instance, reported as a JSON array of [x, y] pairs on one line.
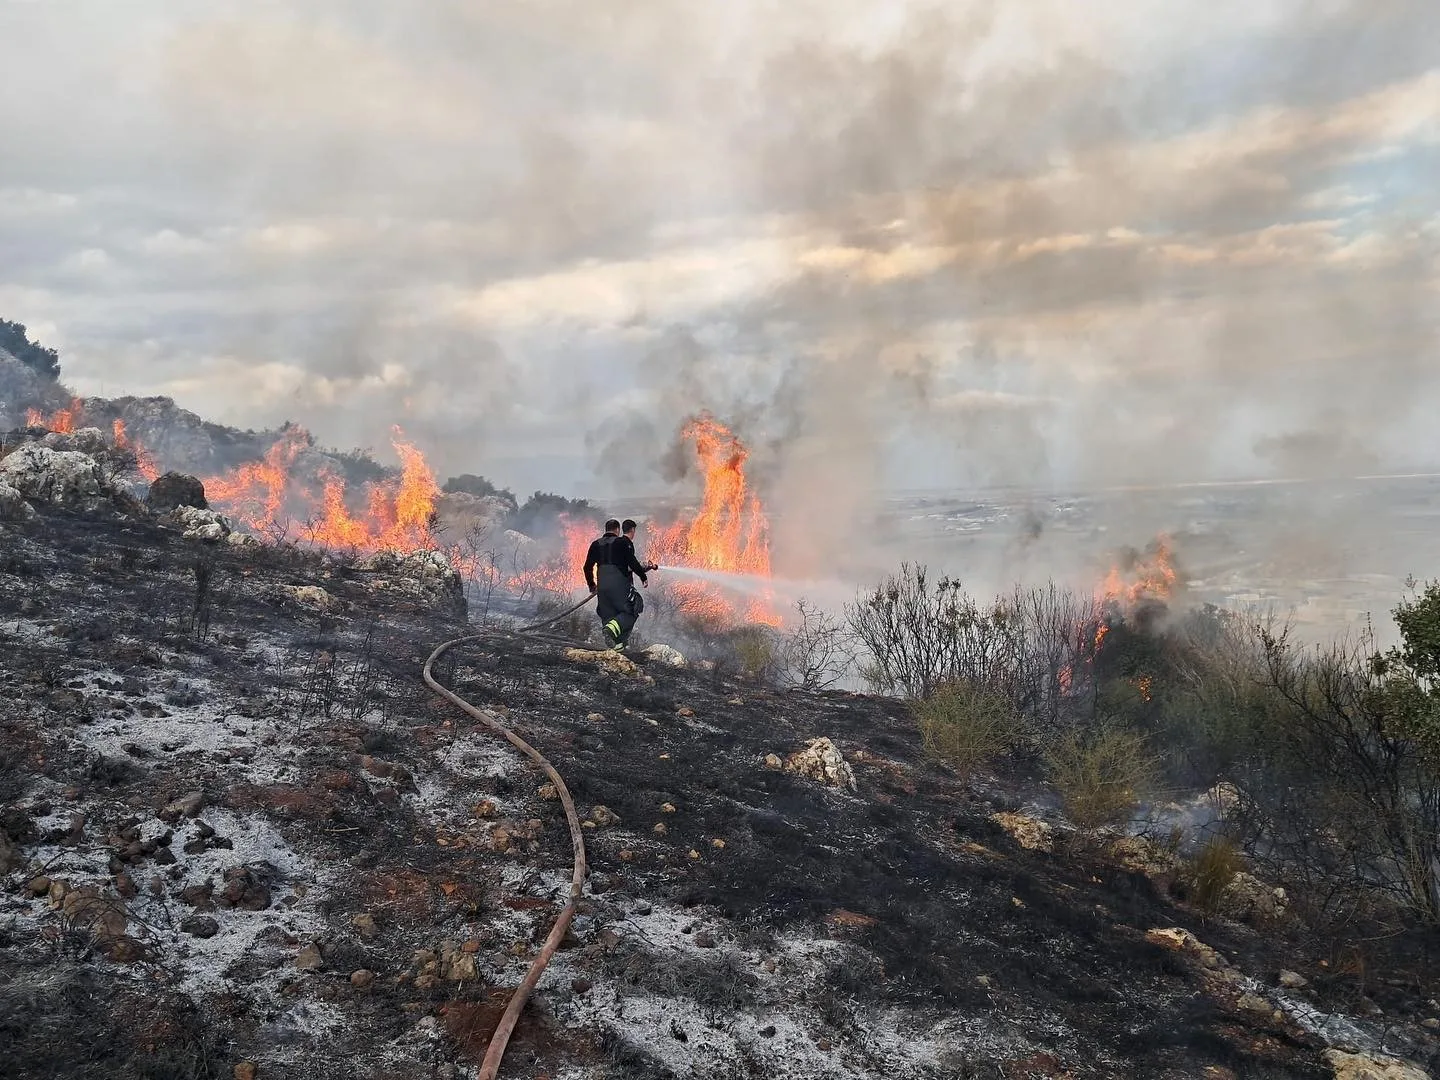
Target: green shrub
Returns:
[[1101, 775], [1211, 872], [755, 653], [966, 726]]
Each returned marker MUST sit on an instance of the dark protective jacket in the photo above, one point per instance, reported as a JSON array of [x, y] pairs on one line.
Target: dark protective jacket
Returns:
[[617, 552]]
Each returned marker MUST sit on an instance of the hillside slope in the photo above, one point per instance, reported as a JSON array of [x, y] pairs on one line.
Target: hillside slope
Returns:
[[238, 830]]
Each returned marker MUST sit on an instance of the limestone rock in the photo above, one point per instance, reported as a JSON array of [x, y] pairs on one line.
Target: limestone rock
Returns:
[[197, 524], [1249, 899], [174, 490], [1364, 1067], [1180, 940], [13, 506], [309, 596], [310, 958], [1030, 833], [421, 576], [664, 654], [62, 477], [822, 762], [88, 440], [605, 659]]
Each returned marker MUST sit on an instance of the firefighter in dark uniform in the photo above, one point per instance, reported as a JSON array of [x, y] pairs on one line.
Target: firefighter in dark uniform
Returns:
[[610, 570]]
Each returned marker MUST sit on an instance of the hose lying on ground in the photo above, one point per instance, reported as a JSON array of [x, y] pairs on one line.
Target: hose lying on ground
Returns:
[[490, 1066]]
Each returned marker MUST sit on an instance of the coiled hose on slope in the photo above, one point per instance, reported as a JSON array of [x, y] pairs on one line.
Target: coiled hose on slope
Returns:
[[490, 1066]]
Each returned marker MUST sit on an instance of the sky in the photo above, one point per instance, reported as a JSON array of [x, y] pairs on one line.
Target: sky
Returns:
[[895, 245]]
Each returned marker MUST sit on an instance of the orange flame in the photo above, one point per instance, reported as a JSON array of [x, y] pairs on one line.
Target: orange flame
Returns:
[[266, 496], [254, 494], [63, 421], [144, 460], [729, 533], [1148, 576]]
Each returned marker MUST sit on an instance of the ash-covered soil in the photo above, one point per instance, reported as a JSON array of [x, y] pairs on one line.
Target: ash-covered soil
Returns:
[[240, 838]]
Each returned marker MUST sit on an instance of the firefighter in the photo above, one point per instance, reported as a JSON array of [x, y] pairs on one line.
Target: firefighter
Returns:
[[610, 571]]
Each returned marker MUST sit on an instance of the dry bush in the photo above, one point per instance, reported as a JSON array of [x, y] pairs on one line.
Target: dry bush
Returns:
[[817, 653], [966, 726], [1211, 871], [1101, 775]]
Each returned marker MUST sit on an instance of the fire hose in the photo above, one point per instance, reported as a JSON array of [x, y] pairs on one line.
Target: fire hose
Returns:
[[495, 1051]]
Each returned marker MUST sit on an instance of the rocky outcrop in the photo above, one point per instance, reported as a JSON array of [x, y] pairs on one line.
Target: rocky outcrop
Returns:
[[13, 506], [424, 577], [59, 477], [820, 760], [88, 440], [174, 490], [1365, 1067]]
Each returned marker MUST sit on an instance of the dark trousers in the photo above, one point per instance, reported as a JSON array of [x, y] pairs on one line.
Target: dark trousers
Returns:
[[617, 602]]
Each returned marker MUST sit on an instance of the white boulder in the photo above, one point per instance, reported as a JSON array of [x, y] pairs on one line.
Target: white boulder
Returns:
[[820, 760], [197, 524], [54, 476], [664, 654]]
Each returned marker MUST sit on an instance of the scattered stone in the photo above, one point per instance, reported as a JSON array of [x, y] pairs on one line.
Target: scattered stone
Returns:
[[607, 660], [660, 829], [1365, 1067], [581, 985], [604, 816], [704, 940], [1180, 940], [39, 886], [594, 718], [1248, 899], [693, 854], [486, 808], [1254, 1003], [773, 762], [196, 524], [125, 886], [201, 926], [844, 917], [365, 926], [717, 844], [685, 710], [88, 908], [246, 888], [1292, 980], [1432, 1024], [548, 792], [310, 958], [1030, 833], [310, 596], [664, 654], [362, 978], [822, 762], [246, 1070], [174, 490], [667, 808]]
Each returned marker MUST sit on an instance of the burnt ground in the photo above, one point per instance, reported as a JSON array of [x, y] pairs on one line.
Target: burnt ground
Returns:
[[240, 830]]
